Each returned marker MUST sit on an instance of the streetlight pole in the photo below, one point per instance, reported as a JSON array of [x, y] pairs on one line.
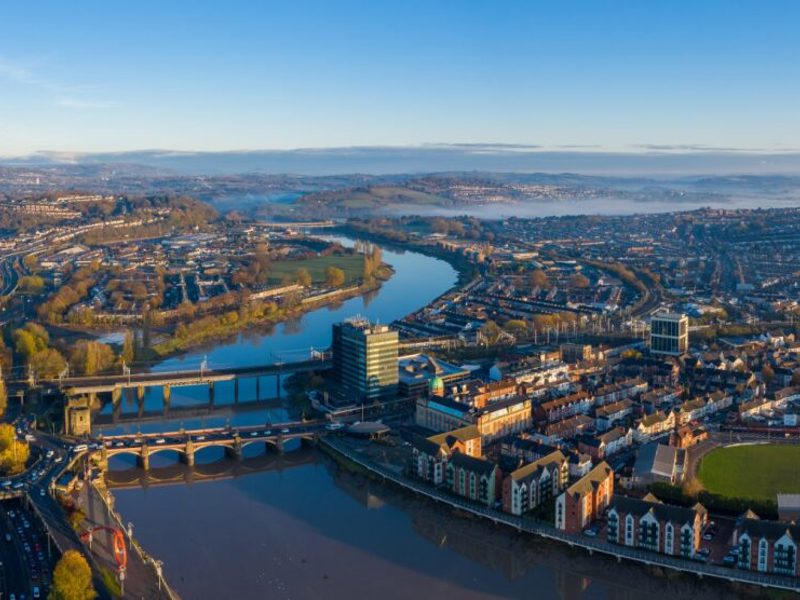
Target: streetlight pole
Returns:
[[159, 571]]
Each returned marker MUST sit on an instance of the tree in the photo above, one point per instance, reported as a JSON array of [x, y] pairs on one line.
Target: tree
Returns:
[[72, 578], [48, 363], [767, 374], [30, 339], [538, 278], [303, 277], [127, 348], [579, 281], [14, 453], [334, 276], [516, 327], [3, 397], [490, 332], [90, 357]]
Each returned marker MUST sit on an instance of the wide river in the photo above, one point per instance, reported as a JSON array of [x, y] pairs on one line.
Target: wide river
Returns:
[[295, 526]]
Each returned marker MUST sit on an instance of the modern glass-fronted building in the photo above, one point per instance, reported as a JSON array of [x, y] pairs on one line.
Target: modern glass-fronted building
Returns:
[[669, 334], [365, 359]]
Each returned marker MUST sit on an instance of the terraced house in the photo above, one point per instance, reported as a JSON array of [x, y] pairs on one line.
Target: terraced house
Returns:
[[430, 455], [767, 546], [472, 478], [649, 524], [535, 483]]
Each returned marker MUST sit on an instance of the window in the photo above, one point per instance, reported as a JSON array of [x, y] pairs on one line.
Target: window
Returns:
[[613, 527], [629, 530], [785, 559], [669, 534], [744, 553], [763, 549], [648, 535]]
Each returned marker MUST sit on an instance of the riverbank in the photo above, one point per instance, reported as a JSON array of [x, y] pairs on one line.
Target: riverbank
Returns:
[[212, 328], [349, 455], [464, 268]]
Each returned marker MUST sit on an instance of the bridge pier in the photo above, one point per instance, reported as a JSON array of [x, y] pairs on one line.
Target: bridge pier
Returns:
[[188, 453], [102, 462], [236, 391], [166, 391], [116, 396], [140, 392], [143, 460], [211, 394], [258, 387], [278, 386], [235, 451]]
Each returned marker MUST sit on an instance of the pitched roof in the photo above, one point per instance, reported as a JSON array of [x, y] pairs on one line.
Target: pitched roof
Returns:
[[772, 530], [556, 457], [591, 480], [462, 434], [650, 504], [468, 463]]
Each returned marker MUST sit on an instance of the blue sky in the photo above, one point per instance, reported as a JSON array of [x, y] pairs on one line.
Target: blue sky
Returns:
[[107, 76]]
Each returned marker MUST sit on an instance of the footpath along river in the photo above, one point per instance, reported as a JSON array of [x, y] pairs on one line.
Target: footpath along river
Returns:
[[296, 526]]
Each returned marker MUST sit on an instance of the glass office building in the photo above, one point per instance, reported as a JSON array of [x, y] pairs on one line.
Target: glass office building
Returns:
[[365, 359], [669, 334]]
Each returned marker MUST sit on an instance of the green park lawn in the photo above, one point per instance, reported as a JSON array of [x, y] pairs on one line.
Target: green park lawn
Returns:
[[756, 472], [353, 267]]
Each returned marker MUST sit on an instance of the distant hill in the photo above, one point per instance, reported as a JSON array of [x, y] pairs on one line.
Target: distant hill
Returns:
[[438, 158]]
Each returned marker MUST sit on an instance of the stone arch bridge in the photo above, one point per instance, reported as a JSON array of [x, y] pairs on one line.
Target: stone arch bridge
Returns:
[[186, 443]]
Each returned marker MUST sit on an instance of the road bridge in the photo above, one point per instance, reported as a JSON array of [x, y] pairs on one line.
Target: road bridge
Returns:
[[219, 470], [188, 442]]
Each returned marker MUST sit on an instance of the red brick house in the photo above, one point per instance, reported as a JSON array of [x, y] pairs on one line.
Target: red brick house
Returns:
[[585, 500]]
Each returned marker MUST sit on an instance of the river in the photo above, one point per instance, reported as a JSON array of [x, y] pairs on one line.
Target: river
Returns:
[[299, 527]]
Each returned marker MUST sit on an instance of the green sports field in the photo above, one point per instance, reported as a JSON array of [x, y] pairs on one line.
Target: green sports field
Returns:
[[757, 472], [352, 265]]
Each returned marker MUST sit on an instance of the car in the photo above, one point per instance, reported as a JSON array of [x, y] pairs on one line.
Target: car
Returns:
[[120, 444], [161, 441], [36, 592], [268, 432], [253, 433], [707, 537], [80, 448], [42, 492], [49, 454], [729, 560], [591, 532], [6, 483], [8, 538], [57, 459], [734, 551], [334, 426], [284, 430], [704, 551], [199, 438]]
